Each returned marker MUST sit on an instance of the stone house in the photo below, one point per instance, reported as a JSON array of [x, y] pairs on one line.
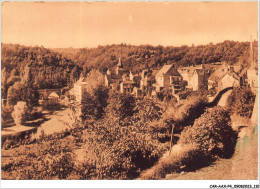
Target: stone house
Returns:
[[233, 75], [127, 86], [79, 89], [199, 80], [229, 79], [195, 76], [113, 79], [167, 78], [147, 80]]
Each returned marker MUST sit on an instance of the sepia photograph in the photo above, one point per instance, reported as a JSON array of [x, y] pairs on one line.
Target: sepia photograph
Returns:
[[124, 90]]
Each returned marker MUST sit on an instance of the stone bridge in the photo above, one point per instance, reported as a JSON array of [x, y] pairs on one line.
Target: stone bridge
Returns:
[[44, 93]]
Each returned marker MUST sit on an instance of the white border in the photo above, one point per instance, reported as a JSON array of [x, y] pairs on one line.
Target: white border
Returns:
[[127, 183]]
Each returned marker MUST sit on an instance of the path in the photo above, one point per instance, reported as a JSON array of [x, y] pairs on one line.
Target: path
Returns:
[[57, 122], [220, 98], [223, 101]]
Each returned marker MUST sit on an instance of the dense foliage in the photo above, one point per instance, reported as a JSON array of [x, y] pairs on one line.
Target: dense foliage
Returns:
[[241, 101], [184, 113], [117, 152], [95, 96], [210, 137], [52, 159], [49, 69], [139, 57], [122, 144], [120, 105], [212, 133]]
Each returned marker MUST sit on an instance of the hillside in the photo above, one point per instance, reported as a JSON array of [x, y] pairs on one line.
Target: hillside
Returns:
[[139, 57], [49, 69], [55, 68]]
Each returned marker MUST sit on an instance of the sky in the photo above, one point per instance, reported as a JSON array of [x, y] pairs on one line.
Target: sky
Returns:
[[89, 24]]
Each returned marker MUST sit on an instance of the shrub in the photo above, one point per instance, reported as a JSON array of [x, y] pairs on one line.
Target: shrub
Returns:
[[117, 152], [34, 114], [147, 110], [183, 114], [46, 160], [210, 137], [20, 112], [120, 105], [6, 112], [241, 101], [6, 115], [94, 106], [212, 133], [170, 162]]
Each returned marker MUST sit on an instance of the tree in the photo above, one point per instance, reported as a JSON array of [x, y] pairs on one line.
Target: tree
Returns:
[[94, 79], [241, 101], [20, 112], [212, 133], [95, 96], [3, 83], [20, 92], [120, 105], [94, 105]]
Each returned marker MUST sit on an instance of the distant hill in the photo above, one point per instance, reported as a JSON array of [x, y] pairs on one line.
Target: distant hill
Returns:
[[139, 57], [66, 51], [55, 66]]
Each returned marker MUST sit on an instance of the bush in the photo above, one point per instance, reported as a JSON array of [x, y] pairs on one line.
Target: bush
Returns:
[[147, 110], [210, 137], [34, 114], [94, 106], [46, 160], [120, 105], [212, 133], [174, 162], [183, 114], [116, 152], [241, 101], [6, 115], [20, 112]]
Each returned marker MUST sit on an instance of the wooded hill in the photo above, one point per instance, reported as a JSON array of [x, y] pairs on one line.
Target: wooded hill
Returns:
[[139, 57], [55, 68], [49, 69]]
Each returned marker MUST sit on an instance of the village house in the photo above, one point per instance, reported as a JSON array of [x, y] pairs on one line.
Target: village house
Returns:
[[230, 79], [225, 76], [195, 76], [121, 80], [114, 78], [147, 81], [79, 89], [168, 78], [127, 86]]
